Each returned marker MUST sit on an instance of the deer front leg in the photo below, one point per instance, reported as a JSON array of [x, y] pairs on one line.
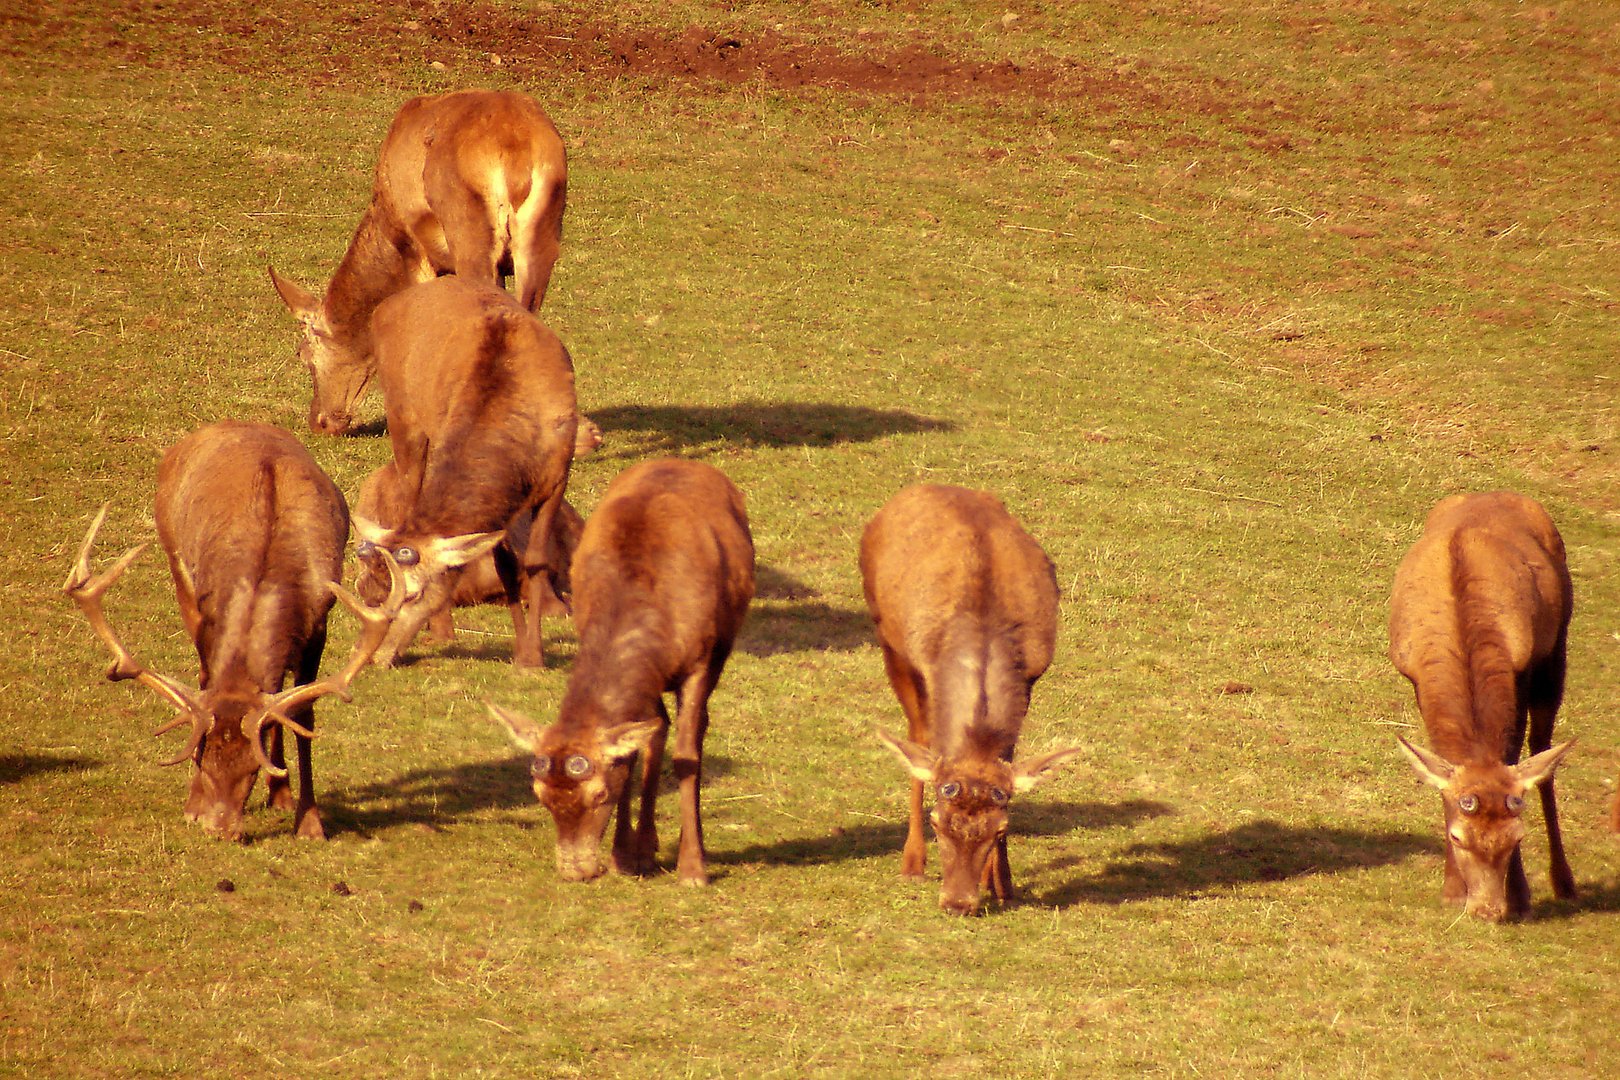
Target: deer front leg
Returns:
[[692, 723], [907, 685], [998, 872]]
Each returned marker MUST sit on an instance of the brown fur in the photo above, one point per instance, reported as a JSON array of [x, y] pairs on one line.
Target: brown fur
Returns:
[[1479, 620], [480, 400], [254, 530], [965, 604], [473, 183], [662, 581], [380, 500]]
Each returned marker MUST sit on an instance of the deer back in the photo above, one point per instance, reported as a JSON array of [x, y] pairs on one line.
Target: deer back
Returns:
[[960, 591], [1481, 596], [662, 580], [480, 402], [254, 530]]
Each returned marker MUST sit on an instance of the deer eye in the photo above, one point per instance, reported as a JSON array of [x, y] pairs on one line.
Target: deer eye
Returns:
[[540, 766], [1468, 803], [577, 767], [406, 556], [998, 796], [1514, 804], [950, 789]]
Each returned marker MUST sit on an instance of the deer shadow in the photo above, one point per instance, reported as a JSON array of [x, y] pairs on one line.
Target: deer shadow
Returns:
[[842, 843], [15, 768], [788, 615], [1259, 851], [665, 429], [439, 797]]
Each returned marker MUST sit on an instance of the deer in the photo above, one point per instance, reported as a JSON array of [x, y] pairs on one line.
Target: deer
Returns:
[[662, 578], [254, 533], [380, 500], [481, 417], [965, 606], [1479, 624], [472, 183]]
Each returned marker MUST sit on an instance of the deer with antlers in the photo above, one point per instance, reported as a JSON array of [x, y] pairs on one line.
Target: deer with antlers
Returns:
[[255, 532]]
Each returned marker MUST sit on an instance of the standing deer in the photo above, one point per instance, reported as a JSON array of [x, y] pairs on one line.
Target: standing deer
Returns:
[[480, 401], [965, 604], [382, 502], [472, 183], [254, 531], [662, 580], [1478, 621]]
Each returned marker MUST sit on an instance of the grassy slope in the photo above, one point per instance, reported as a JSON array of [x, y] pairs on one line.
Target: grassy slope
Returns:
[[1301, 278]]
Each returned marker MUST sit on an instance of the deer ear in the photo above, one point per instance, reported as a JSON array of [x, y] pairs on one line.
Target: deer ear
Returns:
[[920, 761], [454, 551], [299, 300], [525, 733], [1533, 771], [1031, 771], [622, 740], [1435, 770]]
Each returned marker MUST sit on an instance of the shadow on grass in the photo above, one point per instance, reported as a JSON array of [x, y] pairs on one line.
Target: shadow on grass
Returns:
[[1256, 852], [788, 616], [17, 767], [866, 841], [1590, 897], [442, 796], [668, 428]]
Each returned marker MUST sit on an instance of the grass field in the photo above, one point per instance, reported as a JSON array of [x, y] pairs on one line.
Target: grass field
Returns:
[[1220, 298]]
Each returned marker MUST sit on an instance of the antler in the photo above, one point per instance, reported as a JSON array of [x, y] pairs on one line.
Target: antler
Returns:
[[376, 622], [87, 592]]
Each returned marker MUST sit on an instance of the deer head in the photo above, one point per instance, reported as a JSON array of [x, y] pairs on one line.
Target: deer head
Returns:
[[1484, 805], [427, 567], [339, 365], [579, 773], [226, 721], [971, 795]]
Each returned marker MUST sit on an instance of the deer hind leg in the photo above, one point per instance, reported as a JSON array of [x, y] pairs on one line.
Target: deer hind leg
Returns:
[[536, 247], [691, 725], [468, 221], [909, 688], [1546, 693], [639, 854]]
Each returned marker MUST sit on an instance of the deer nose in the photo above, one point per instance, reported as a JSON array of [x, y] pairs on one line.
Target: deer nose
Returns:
[[958, 905], [329, 423]]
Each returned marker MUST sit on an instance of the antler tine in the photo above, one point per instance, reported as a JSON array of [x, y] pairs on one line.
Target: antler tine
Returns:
[[375, 624], [86, 591], [200, 723], [256, 738]]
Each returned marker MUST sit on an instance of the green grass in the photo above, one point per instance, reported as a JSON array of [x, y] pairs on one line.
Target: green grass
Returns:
[[1219, 330]]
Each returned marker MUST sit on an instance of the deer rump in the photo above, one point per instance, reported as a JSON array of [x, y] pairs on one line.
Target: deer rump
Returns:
[[965, 604], [1479, 622], [472, 183], [481, 416], [663, 577]]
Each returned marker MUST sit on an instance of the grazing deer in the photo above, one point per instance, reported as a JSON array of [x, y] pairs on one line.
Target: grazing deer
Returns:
[[471, 183], [662, 580], [965, 604], [254, 531], [381, 501], [1478, 621], [480, 400]]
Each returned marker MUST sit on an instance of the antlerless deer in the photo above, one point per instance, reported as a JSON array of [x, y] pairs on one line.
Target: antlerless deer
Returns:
[[965, 604], [1479, 621], [662, 581]]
